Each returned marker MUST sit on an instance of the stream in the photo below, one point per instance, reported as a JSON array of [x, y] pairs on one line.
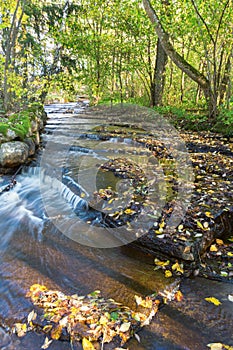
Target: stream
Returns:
[[37, 249]]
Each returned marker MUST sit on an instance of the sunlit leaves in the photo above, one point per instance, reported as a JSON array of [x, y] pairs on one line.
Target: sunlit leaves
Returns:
[[90, 318]]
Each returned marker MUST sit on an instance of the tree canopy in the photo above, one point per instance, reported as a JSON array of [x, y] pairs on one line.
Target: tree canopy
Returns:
[[160, 53]]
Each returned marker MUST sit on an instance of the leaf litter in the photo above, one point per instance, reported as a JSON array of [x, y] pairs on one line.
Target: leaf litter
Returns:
[[209, 216], [91, 319]]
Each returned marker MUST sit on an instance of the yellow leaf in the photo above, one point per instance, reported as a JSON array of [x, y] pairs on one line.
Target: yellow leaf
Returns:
[[213, 300], [47, 328], [213, 248], [147, 303], [56, 332], [199, 224], [162, 224], [87, 345], [129, 211], [168, 273], [37, 288], [208, 214], [230, 254], [177, 267], [103, 320], [161, 263]]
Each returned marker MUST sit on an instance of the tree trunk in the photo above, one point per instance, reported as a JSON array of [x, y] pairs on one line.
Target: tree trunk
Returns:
[[180, 62], [159, 75], [225, 80]]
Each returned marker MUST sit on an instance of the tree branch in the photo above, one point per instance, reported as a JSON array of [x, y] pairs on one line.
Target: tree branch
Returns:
[[187, 68]]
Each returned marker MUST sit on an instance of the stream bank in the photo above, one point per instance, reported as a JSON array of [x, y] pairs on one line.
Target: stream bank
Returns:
[[20, 137]]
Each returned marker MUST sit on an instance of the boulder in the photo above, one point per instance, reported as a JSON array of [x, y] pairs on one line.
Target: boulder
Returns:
[[13, 153]]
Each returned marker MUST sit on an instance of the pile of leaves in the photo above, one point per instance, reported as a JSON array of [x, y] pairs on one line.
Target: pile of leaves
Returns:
[[91, 318]]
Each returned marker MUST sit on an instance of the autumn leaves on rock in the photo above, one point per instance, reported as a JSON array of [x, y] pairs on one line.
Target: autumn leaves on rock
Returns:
[[209, 216]]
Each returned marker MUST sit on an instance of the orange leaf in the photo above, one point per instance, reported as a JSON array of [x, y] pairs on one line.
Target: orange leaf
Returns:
[[56, 332]]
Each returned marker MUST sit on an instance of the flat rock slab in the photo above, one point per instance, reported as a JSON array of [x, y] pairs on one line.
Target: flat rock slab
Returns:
[[209, 215]]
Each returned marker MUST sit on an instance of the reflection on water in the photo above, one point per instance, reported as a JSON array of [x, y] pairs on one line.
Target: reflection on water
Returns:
[[34, 251]]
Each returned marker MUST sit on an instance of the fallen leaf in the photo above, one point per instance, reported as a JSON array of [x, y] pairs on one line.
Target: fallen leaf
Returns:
[[177, 267], [161, 263], [56, 332], [125, 327], [32, 316], [129, 211], [219, 346], [179, 296], [168, 273], [21, 329], [87, 345], [213, 248], [220, 242], [213, 300], [46, 344]]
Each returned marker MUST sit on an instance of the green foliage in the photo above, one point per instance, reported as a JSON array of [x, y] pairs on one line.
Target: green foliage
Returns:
[[108, 49], [198, 120], [20, 122], [224, 122]]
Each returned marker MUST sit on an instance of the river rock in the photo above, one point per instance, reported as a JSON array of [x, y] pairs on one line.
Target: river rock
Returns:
[[11, 135], [31, 146], [13, 153]]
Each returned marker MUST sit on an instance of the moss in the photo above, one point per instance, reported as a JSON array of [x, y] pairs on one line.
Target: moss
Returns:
[[20, 122], [3, 128]]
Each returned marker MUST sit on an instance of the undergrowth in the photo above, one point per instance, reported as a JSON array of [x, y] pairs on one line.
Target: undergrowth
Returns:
[[19, 122], [199, 120]]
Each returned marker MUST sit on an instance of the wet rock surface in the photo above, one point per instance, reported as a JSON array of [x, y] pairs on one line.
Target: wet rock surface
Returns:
[[50, 258], [14, 148], [202, 241], [13, 154]]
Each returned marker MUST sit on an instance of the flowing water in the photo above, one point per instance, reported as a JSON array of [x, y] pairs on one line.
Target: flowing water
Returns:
[[34, 250]]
